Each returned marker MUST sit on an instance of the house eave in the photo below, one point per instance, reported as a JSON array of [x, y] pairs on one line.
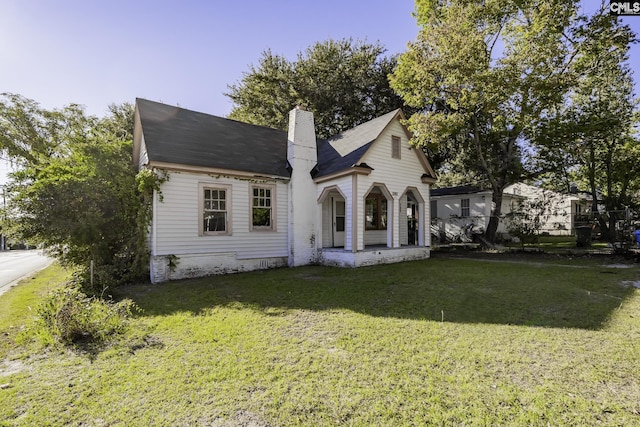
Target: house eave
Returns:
[[214, 171], [428, 180], [356, 170]]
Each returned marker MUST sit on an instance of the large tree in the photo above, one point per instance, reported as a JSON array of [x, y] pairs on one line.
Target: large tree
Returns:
[[483, 74], [592, 135], [344, 83], [75, 190]]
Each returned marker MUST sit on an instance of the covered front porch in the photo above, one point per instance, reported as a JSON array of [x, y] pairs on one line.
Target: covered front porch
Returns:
[[379, 226]]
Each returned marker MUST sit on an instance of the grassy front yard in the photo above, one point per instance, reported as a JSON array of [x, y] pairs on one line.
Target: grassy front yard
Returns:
[[440, 342]]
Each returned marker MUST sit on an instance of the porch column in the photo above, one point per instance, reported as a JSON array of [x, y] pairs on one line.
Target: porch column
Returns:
[[348, 223], [393, 222], [424, 220], [357, 225]]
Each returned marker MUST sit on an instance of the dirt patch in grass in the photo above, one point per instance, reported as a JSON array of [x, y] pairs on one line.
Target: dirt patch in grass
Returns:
[[309, 326], [240, 419], [11, 367]]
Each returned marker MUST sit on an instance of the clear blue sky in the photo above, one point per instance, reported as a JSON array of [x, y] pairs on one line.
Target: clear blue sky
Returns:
[[179, 52], [183, 52]]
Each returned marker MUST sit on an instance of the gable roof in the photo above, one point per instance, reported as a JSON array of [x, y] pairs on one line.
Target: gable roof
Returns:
[[174, 135], [350, 140], [179, 136], [345, 150], [330, 161]]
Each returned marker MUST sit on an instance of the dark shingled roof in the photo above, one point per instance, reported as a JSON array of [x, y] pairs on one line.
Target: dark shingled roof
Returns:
[[176, 135], [330, 161], [344, 150], [461, 189], [185, 137]]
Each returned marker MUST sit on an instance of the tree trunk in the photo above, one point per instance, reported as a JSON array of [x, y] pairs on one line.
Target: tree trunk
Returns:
[[496, 211], [604, 227]]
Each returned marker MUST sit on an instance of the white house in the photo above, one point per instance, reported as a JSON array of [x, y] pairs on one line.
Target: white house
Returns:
[[560, 211], [467, 207], [241, 197], [454, 208]]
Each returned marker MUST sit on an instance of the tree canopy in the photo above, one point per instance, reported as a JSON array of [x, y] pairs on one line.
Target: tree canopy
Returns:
[[484, 74], [591, 138], [343, 82], [75, 191]]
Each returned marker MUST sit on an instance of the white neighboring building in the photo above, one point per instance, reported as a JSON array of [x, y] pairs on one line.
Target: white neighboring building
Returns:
[[455, 208], [561, 211], [241, 197]]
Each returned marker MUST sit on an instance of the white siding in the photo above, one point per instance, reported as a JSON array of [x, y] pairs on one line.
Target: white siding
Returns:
[[449, 218], [450, 206], [375, 237], [557, 218], [397, 175], [177, 219], [451, 223]]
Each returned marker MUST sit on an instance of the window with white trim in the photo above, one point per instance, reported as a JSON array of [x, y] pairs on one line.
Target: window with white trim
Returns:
[[464, 208], [262, 217], [214, 212]]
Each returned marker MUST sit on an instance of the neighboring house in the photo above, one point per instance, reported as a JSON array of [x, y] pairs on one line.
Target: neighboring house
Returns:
[[453, 209], [241, 197], [561, 212], [467, 207]]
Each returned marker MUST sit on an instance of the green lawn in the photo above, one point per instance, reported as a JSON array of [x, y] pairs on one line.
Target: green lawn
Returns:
[[436, 342]]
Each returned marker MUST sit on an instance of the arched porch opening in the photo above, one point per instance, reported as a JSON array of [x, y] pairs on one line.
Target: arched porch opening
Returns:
[[378, 216], [333, 204], [412, 230]]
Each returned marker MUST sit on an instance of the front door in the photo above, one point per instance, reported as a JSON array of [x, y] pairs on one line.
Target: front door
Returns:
[[412, 222], [338, 222]]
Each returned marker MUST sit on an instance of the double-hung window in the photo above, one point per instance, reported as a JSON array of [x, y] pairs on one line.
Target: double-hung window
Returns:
[[214, 217], [262, 217]]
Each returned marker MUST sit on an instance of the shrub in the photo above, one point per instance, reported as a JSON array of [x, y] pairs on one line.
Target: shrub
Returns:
[[71, 317]]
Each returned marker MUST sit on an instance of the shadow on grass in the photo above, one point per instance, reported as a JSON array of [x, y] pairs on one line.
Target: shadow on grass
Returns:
[[453, 290]]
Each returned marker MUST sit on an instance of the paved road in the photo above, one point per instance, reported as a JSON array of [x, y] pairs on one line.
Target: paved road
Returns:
[[15, 265]]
